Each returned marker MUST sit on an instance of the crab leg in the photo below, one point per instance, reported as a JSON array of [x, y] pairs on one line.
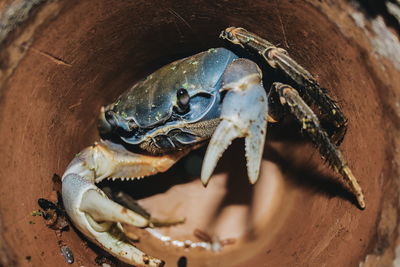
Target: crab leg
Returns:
[[244, 114], [279, 58], [100, 218], [311, 126]]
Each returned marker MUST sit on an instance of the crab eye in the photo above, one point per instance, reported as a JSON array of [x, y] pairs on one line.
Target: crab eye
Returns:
[[109, 115], [183, 98]]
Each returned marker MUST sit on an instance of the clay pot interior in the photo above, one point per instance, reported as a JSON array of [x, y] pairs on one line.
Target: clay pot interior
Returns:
[[299, 212]]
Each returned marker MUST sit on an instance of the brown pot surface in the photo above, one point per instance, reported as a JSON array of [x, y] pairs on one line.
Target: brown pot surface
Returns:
[[68, 58]]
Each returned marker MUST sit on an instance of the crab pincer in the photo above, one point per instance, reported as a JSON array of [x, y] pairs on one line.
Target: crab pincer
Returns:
[[244, 114], [97, 216]]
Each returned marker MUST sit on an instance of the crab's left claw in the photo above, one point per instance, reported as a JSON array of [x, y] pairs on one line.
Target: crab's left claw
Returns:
[[97, 216], [90, 216], [244, 114]]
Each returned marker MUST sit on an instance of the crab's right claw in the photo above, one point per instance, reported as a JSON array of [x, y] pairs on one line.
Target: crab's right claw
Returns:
[[244, 114]]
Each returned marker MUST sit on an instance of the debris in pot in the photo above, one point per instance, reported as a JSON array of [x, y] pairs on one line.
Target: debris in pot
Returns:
[[105, 261], [52, 209], [53, 214], [201, 235], [215, 242], [182, 262], [207, 242], [67, 253]]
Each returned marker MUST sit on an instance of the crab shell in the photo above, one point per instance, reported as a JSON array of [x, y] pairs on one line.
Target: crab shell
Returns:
[[148, 114]]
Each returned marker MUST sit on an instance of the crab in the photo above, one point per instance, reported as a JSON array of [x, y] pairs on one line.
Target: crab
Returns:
[[212, 97]]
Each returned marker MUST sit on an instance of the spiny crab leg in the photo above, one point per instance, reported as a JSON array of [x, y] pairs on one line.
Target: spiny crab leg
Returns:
[[100, 218], [244, 114], [288, 96]]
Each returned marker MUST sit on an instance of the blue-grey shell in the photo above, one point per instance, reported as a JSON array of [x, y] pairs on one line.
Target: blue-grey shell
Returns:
[[151, 101]]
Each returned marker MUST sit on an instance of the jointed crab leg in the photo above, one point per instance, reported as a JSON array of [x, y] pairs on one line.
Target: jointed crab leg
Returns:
[[310, 125], [278, 57], [244, 114], [100, 218]]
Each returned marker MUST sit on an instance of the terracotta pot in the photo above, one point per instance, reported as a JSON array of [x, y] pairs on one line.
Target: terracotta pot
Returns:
[[62, 60]]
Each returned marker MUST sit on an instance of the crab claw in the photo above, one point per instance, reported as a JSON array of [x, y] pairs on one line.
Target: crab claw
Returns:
[[100, 218], [244, 114]]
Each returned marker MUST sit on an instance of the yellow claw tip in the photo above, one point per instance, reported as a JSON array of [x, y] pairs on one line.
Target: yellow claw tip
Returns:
[[361, 203], [204, 183]]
